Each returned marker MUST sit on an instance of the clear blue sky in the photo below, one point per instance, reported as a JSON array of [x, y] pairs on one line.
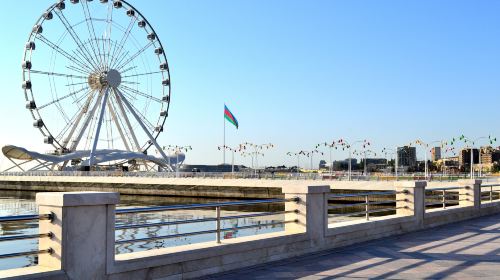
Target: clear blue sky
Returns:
[[296, 73]]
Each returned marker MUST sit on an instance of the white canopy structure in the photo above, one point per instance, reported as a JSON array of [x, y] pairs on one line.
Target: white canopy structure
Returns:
[[111, 157]]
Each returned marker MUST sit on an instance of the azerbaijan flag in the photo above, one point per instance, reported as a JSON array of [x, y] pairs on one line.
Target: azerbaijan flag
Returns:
[[230, 117]]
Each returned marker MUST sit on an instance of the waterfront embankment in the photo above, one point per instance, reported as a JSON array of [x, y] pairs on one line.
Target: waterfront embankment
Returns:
[[183, 187]]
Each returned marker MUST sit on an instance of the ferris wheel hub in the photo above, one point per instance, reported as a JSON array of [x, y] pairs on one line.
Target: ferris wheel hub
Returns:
[[111, 78]]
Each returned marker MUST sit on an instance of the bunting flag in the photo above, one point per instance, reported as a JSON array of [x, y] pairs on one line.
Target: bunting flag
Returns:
[[230, 117]]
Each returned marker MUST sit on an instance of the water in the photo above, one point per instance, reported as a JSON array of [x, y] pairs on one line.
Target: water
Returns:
[[21, 203]]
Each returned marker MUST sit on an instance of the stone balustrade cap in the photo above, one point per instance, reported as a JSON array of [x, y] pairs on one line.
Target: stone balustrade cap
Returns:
[[410, 184], [77, 198], [305, 189]]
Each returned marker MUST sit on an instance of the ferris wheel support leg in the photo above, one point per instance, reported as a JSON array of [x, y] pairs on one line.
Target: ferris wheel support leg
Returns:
[[99, 124], [85, 124], [78, 119], [138, 119], [115, 120], [127, 121]]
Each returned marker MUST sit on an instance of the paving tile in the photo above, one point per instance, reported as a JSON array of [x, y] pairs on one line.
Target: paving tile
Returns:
[[465, 250]]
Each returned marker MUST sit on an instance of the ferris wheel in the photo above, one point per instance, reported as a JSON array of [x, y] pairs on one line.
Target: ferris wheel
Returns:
[[96, 78]]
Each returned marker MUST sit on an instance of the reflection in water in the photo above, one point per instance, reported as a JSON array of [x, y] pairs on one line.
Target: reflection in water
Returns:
[[20, 203]]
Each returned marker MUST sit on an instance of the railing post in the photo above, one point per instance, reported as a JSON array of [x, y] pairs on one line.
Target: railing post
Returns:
[[470, 194], [367, 208], [217, 214], [443, 198], [312, 211], [84, 234], [410, 199]]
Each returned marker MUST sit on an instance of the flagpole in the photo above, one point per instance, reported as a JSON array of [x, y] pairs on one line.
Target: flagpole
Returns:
[[224, 143]]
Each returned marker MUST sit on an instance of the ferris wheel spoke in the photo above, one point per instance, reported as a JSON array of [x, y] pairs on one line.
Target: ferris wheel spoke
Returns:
[[79, 70], [141, 74], [130, 83], [128, 69], [63, 98], [124, 39], [138, 119], [109, 29], [76, 39], [56, 74], [77, 84], [90, 27], [62, 52], [126, 88], [133, 57], [120, 60], [80, 53]]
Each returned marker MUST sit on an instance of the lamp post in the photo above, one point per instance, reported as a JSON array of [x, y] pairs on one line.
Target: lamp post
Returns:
[[387, 151], [256, 150], [310, 155], [331, 146], [347, 145], [448, 149], [232, 150], [298, 159], [363, 153], [245, 154], [426, 147], [177, 150]]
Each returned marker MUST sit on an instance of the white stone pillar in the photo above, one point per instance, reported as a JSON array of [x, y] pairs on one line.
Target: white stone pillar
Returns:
[[470, 194], [312, 209], [83, 229], [410, 199]]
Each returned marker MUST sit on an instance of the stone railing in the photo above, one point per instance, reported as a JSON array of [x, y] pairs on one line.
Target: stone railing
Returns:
[[83, 234]]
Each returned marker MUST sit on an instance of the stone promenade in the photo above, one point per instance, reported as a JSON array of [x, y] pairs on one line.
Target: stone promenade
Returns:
[[465, 250]]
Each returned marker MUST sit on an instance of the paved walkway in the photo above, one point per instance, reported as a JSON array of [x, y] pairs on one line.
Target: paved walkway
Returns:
[[464, 250]]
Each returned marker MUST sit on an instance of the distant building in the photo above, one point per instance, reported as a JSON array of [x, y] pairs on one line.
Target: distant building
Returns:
[[407, 156], [323, 164], [489, 156], [436, 153], [376, 164], [448, 165], [464, 157], [344, 164]]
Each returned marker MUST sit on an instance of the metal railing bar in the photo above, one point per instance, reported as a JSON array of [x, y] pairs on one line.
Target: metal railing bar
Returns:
[[490, 185], [26, 218], [361, 204], [382, 210], [361, 194], [128, 241], [28, 253], [161, 224], [440, 196], [205, 205], [348, 214], [23, 237], [192, 221], [432, 204], [444, 189], [382, 202], [347, 205]]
